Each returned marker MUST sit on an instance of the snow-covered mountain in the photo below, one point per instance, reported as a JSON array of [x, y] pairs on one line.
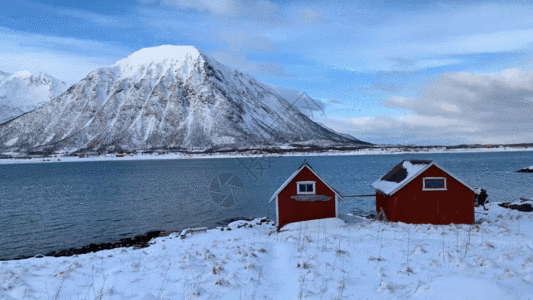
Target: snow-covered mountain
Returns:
[[165, 97], [24, 91]]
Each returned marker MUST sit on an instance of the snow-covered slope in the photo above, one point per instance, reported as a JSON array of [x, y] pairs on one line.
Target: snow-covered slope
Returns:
[[165, 97], [24, 91]]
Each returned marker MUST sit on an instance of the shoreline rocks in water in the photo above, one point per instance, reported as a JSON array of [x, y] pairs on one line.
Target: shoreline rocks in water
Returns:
[[524, 205], [139, 241], [526, 170]]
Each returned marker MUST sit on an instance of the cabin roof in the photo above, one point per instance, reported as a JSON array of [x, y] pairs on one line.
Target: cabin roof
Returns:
[[405, 172], [304, 165]]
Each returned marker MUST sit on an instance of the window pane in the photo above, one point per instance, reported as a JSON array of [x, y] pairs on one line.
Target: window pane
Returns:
[[310, 187], [434, 183], [301, 187]]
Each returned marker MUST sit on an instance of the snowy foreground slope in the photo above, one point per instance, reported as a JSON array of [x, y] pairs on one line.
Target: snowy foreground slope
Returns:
[[323, 259], [23, 91], [165, 97]]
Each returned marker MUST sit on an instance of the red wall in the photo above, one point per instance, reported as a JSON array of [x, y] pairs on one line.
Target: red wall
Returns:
[[413, 205], [290, 210]]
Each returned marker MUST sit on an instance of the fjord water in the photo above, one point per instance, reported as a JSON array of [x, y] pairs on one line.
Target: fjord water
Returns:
[[54, 206]]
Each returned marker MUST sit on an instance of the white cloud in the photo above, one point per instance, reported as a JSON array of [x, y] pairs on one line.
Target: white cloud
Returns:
[[351, 36], [99, 19], [67, 59], [240, 62], [385, 39], [247, 41], [312, 16], [456, 108], [257, 10]]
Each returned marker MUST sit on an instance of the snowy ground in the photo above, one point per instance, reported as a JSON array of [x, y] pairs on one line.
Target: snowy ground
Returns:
[[366, 151], [322, 259]]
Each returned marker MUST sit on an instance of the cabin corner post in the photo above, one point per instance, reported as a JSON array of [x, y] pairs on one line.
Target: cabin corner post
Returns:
[[277, 211], [336, 206]]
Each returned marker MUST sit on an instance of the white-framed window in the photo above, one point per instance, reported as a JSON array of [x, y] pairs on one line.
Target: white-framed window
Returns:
[[305, 187], [434, 184]]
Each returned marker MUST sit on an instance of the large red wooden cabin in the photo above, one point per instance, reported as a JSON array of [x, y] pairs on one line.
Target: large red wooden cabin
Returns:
[[421, 192], [305, 196]]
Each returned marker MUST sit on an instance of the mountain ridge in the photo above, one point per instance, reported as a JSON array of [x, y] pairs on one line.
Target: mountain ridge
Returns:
[[23, 91], [165, 97]]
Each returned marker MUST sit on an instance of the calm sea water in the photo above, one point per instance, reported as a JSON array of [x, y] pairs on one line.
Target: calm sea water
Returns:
[[55, 206]]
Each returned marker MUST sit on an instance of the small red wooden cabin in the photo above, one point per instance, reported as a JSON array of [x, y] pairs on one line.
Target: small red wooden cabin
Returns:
[[305, 196], [421, 192]]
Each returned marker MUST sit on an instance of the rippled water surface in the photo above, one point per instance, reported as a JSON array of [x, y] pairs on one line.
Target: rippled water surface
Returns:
[[53, 206]]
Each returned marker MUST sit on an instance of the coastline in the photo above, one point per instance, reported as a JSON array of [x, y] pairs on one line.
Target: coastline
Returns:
[[137, 242], [253, 154]]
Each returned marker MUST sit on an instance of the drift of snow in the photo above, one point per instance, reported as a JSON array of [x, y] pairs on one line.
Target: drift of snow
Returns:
[[412, 170], [321, 259]]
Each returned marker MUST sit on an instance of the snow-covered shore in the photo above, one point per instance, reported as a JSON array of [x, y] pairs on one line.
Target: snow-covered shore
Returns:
[[321, 259], [177, 155]]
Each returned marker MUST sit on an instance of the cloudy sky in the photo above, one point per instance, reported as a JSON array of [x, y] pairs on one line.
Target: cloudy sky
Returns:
[[426, 72]]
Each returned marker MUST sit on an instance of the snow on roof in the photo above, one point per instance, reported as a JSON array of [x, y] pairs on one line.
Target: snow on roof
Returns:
[[400, 175]]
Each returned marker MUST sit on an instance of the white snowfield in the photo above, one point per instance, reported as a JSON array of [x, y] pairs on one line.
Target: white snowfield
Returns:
[[322, 259]]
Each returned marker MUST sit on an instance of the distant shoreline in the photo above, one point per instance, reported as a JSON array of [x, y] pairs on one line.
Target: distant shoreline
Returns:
[[385, 150]]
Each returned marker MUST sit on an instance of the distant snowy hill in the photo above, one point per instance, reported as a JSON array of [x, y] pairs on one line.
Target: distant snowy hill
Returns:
[[24, 91], [165, 97]]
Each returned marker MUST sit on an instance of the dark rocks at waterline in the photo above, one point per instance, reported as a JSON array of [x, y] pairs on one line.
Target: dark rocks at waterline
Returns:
[[228, 221], [526, 170], [139, 241], [248, 223], [520, 206]]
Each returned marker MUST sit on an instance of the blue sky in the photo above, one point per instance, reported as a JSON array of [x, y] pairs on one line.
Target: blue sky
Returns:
[[419, 72]]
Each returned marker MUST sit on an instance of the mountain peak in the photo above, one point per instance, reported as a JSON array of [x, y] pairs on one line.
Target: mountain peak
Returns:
[[159, 54], [22, 74], [24, 91]]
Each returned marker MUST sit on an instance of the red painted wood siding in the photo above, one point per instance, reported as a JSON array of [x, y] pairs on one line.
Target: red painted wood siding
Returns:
[[290, 210], [413, 205]]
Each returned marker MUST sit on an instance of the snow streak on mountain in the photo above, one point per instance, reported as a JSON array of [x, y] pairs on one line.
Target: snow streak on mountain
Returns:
[[166, 97], [23, 91]]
